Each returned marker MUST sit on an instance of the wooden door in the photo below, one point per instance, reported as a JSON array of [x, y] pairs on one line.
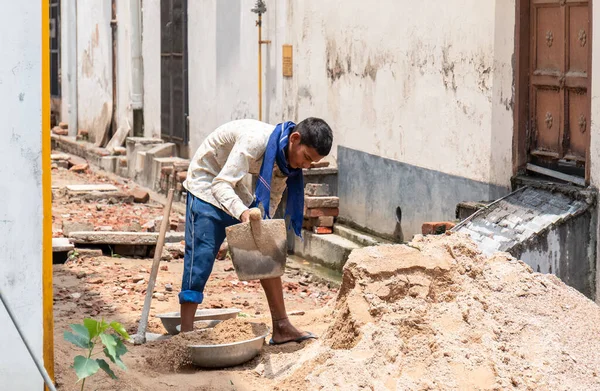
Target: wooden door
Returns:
[[559, 99]]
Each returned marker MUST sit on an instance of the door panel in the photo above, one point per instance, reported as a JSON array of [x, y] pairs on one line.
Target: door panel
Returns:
[[559, 80]]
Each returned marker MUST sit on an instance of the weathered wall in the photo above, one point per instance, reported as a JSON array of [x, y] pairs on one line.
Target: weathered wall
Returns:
[[21, 189], [568, 251], [151, 57], [223, 64], [94, 57], [124, 114], [426, 83]]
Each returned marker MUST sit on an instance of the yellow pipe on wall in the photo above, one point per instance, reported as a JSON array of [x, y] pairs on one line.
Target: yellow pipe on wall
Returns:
[[260, 43]]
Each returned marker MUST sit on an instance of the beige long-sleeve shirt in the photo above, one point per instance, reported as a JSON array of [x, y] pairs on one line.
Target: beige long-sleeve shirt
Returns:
[[226, 156]]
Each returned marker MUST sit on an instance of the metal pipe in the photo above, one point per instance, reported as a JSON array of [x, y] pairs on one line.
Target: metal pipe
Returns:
[[260, 8], [37, 362], [137, 71], [71, 6], [259, 67]]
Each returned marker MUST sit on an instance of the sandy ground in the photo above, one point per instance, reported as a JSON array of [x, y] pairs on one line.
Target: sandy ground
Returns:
[[104, 287]]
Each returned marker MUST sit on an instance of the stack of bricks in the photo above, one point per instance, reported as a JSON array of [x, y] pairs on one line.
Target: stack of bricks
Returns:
[[173, 177], [320, 209]]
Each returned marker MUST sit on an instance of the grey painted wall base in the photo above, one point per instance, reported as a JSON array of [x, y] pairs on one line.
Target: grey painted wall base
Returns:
[[371, 188]]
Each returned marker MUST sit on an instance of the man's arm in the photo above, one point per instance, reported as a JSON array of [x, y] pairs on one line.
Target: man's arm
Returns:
[[233, 171]]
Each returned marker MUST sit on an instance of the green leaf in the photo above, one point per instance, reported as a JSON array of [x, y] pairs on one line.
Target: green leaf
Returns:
[[93, 327], [110, 343], [118, 327], [81, 330], [121, 349], [116, 360], [106, 368], [85, 367], [77, 340]]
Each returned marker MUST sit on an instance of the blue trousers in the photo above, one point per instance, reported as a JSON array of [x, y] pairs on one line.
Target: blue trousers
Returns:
[[204, 233]]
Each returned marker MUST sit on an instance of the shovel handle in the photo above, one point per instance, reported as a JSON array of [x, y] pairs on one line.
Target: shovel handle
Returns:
[[255, 222]]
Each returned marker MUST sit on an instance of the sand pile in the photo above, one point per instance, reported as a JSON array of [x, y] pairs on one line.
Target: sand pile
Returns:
[[172, 354], [437, 315]]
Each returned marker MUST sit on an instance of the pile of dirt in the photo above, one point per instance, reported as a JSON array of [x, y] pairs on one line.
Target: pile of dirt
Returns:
[[171, 355], [437, 315]]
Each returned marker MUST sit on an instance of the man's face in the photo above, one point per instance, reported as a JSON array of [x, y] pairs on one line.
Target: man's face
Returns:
[[301, 156]]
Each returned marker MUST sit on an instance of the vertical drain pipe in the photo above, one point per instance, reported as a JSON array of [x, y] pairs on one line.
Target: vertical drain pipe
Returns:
[[260, 8]]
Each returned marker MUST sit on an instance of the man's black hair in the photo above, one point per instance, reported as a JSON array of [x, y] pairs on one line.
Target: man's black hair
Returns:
[[315, 133]]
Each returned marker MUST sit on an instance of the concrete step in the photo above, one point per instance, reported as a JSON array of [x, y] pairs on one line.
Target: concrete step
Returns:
[[358, 237], [329, 250]]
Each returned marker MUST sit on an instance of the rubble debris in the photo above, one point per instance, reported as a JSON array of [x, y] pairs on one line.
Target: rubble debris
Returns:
[[140, 196], [88, 188], [436, 228], [80, 168]]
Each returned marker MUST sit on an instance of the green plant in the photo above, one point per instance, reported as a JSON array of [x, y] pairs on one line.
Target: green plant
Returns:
[[87, 336]]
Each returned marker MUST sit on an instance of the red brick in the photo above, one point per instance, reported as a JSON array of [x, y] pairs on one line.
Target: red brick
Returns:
[[318, 212], [323, 221], [167, 170], [323, 230], [181, 176], [60, 131], [436, 228], [321, 202], [140, 196], [80, 168]]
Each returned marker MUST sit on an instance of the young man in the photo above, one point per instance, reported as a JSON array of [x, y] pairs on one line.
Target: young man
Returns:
[[217, 199]]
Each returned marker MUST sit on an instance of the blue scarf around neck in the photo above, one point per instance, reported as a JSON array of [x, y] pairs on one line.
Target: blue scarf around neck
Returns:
[[275, 153]]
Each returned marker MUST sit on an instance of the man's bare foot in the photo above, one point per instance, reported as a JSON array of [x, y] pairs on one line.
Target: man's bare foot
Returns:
[[284, 331]]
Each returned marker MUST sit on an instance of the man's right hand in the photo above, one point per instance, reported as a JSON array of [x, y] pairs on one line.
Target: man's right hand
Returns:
[[251, 214], [245, 217]]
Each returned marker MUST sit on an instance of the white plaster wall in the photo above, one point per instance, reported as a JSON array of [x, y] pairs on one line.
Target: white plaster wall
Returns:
[[151, 58], [427, 83], [20, 186], [94, 55], [124, 115], [223, 64]]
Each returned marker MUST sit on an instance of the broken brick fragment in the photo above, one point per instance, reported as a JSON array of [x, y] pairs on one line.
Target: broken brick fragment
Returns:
[[181, 176], [436, 228], [319, 164], [140, 196], [80, 168], [318, 212], [323, 230], [321, 202], [60, 131], [63, 125]]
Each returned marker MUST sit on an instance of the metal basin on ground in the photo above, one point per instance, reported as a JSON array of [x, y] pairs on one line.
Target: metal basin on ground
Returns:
[[226, 355], [171, 320]]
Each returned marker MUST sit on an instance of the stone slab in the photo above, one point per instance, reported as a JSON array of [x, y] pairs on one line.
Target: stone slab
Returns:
[[317, 189], [90, 188], [61, 245], [125, 238], [329, 250]]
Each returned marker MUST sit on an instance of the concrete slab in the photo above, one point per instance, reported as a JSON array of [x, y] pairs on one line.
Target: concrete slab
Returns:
[[329, 250], [358, 237], [61, 245], [125, 238], [90, 188]]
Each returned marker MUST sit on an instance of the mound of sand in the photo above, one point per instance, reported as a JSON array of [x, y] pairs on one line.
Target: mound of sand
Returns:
[[437, 315]]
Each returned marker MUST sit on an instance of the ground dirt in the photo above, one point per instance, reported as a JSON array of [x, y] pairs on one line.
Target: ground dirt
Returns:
[[431, 315], [114, 289]]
